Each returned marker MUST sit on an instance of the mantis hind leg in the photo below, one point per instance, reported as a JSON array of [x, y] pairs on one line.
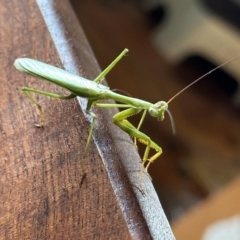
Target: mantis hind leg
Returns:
[[101, 76], [27, 90], [120, 120], [93, 118]]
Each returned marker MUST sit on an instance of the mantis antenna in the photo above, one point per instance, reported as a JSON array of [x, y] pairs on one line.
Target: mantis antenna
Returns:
[[172, 121], [197, 80]]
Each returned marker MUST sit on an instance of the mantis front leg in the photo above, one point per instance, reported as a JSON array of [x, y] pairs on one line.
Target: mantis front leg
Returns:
[[120, 119]]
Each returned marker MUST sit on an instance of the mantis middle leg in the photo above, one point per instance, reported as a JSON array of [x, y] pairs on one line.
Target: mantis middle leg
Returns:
[[101, 76]]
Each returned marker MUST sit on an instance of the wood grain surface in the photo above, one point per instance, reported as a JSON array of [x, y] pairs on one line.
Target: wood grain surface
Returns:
[[41, 188]]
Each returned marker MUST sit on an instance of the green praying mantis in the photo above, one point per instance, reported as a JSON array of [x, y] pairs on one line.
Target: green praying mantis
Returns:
[[94, 91]]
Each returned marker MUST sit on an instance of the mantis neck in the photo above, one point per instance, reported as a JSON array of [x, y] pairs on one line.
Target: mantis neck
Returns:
[[135, 102]]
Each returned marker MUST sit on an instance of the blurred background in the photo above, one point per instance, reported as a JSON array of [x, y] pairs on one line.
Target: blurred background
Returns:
[[171, 44]]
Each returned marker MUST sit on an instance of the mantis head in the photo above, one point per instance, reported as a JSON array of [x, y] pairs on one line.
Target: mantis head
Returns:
[[158, 109]]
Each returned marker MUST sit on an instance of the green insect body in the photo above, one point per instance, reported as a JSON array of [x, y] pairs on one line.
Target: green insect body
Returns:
[[94, 91]]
